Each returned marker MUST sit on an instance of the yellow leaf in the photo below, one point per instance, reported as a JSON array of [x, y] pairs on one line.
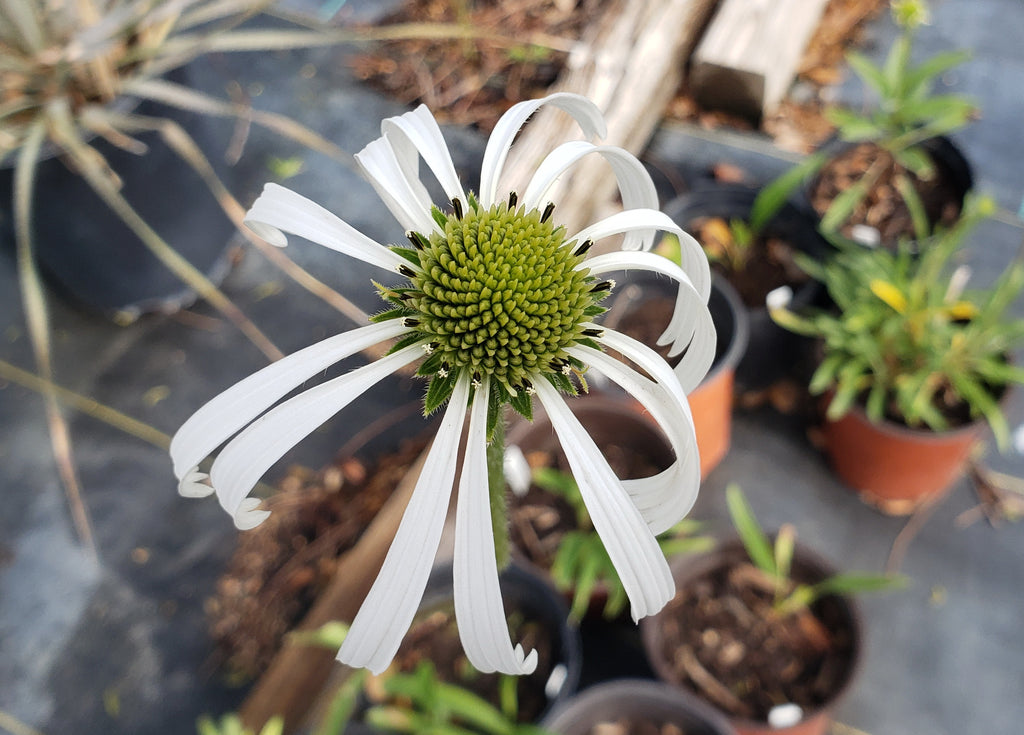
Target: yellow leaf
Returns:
[[890, 295], [963, 310]]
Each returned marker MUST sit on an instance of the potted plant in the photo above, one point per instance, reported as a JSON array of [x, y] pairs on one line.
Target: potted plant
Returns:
[[431, 684], [895, 174], [550, 525], [750, 237], [642, 309], [913, 365], [635, 706], [766, 632]]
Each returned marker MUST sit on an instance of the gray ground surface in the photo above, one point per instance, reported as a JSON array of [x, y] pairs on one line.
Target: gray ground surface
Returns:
[[117, 643]]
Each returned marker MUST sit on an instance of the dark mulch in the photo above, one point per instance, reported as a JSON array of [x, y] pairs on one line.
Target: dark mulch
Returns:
[[727, 643]]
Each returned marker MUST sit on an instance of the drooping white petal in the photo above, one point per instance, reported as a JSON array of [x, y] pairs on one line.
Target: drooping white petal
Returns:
[[250, 454], [636, 188], [405, 197], [228, 412], [688, 304], [279, 210], [630, 544], [694, 262], [478, 606], [388, 610], [583, 111], [417, 134], [666, 497]]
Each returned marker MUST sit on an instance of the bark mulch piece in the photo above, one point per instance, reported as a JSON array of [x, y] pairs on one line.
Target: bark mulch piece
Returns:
[[281, 567]]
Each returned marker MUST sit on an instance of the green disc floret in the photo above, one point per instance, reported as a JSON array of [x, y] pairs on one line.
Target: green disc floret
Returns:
[[499, 293]]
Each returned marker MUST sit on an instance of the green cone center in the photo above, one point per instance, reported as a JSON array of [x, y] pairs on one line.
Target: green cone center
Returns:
[[500, 294]]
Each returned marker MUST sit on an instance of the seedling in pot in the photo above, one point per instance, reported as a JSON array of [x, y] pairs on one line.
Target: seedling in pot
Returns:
[[582, 565], [908, 113], [418, 702], [908, 342], [775, 561]]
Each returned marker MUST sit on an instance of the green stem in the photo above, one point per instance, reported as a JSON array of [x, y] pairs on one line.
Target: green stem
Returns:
[[496, 486]]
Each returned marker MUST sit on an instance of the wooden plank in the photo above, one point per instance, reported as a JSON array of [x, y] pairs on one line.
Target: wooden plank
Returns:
[[750, 52], [296, 676], [630, 64]]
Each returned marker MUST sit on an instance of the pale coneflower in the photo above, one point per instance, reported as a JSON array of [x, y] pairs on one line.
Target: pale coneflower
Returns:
[[499, 306]]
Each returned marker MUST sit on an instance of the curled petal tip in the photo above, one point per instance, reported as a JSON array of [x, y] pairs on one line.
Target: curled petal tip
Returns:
[[527, 663], [247, 517], [194, 484]]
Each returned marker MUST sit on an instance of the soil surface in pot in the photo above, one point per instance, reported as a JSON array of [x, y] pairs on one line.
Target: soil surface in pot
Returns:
[[282, 566], [729, 645], [883, 208], [435, 638], [539, 519], [767, 265], [636, 727]]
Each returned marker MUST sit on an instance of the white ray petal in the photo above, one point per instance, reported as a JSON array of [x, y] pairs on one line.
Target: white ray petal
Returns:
[[636, 188], [405, 197], [194, 484], [478, 606], [666, 497], [694, 262], [416, 134], [583, 111], [228, 412], [688, 304], [630, 544], [700, 353], [250, 454], [279, 210], [388, 610]]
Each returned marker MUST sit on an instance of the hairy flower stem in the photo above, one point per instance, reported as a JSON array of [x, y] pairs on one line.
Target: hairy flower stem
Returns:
[[496, 488]]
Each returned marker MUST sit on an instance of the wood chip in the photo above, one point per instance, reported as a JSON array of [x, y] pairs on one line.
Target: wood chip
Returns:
[[709, 685]]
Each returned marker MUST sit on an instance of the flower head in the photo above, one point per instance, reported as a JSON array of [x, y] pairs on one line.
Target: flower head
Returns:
[[496, 305]]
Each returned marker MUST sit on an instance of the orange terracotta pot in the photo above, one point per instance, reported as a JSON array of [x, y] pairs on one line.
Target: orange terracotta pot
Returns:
[[711, 402], [896, 468]]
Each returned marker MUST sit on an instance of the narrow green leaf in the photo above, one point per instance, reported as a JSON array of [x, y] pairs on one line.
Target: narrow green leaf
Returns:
[[771, 198], [754, 539]]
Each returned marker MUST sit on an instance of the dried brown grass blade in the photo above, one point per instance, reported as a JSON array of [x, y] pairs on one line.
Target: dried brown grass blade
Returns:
[[64, 133], [181, 143], [184, 98], [37, 319]]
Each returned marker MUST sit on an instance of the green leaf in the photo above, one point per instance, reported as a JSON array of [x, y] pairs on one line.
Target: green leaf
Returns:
[[342, 704], [754, 539], [843, 206], [439, 391], [907, 190], [854, 583], [866, 70], [329, 635], [918, 80], [916, 160], [771, 198], [853, 127]]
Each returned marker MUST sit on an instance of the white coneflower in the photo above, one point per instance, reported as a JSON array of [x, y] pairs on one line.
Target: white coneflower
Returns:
[[497, 307]]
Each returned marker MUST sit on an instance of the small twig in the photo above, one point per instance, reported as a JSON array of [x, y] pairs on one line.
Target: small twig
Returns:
[[914, 524]]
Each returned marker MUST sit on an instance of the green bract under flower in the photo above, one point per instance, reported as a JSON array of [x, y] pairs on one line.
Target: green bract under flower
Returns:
[[498, 293]]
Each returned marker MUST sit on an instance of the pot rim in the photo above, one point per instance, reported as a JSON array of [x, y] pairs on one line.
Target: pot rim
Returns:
[[638, 691], [737, 346], [686, 567], [895, 429]]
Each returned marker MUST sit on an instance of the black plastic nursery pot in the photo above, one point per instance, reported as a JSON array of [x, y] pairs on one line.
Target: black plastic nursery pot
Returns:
[[694, 577], [943, 196], [533, 604], [89, 255], [634, 701], [771, 351]]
